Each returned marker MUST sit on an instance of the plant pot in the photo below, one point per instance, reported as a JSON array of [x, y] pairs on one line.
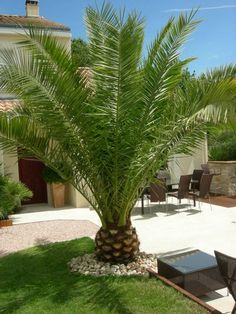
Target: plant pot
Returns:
[[5, 223], [58, 194]]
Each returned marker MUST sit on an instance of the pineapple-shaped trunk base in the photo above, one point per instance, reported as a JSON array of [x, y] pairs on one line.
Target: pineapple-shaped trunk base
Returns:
[[117, 244]]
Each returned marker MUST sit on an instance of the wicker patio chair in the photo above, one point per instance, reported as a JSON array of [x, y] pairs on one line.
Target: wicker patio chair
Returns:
[[196, 178], [204, 189], [183, 189], [157, 191], [227, 268]]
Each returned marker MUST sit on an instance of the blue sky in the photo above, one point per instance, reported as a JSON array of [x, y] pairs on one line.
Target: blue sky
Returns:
[[213, 43]]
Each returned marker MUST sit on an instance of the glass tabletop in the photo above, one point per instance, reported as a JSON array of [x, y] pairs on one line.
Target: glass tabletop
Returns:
[[191, 261]]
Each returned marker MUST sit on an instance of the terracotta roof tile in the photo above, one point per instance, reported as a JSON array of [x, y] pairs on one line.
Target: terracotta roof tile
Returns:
[[17, 21]]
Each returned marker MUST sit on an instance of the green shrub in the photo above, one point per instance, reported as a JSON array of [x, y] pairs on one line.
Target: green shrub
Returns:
[[11, 193], [50, 176], [223, 152], [223, 147]]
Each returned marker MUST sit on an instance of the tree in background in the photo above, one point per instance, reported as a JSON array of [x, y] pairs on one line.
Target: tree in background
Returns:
[[222, 137], [109, 137], [80, 53]]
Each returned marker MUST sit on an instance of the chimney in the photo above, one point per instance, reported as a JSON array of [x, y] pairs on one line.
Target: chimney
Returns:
[[32, 8]]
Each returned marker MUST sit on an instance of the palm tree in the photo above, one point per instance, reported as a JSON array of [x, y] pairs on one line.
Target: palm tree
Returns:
[[110, 136]]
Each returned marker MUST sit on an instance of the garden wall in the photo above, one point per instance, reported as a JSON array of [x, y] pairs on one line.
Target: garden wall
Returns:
[[224, 180]]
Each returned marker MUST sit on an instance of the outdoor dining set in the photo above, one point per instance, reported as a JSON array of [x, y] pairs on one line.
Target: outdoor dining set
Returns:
[[195, 271], [194, 186]]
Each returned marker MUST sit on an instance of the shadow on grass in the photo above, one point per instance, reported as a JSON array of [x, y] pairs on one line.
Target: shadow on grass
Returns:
[[41, 274], [99, 293]]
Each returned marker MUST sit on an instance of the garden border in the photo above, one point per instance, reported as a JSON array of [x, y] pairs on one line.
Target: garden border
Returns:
[[187, 294]]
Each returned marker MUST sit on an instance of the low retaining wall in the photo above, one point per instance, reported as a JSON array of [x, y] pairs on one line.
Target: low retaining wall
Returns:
[[224, 180]]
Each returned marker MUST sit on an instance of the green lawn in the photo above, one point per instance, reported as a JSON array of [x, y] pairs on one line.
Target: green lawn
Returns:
[[38, 281]]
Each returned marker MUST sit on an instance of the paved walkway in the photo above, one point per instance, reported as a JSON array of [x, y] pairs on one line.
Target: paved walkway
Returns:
[[43, 212], [164, 231], [22, 236]]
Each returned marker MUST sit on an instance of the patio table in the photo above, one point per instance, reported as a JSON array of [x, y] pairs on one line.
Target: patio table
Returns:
[[195, 271]]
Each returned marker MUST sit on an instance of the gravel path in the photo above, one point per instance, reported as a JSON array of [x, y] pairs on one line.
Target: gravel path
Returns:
[[22, 236]]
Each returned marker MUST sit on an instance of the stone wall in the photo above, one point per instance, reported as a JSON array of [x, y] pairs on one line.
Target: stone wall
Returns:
[[224, 180]]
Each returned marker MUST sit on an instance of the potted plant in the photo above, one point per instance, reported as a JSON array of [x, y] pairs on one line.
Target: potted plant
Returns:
[[11, 193], [57, 186]]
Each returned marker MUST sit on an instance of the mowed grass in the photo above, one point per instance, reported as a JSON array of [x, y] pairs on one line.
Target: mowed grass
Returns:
[[38, 280]]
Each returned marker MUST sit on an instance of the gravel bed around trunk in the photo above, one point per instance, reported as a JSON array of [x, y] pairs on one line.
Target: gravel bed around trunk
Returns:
[[89, 265], [22, 236]]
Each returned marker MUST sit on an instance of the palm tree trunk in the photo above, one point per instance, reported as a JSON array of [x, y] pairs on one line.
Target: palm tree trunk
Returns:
[[117, 244]]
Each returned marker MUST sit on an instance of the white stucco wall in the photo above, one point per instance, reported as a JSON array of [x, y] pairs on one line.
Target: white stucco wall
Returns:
[[10, 35], [182, 164], [11, 165], [74, 198]]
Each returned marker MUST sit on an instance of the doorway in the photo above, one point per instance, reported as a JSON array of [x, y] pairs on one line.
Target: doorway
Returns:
[[30, 173]]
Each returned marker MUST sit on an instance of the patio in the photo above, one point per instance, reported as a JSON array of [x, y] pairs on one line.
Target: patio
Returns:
[[183, 228], [165, 232]]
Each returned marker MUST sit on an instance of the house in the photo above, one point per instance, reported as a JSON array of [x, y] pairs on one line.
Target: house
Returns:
[[29, 171]]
